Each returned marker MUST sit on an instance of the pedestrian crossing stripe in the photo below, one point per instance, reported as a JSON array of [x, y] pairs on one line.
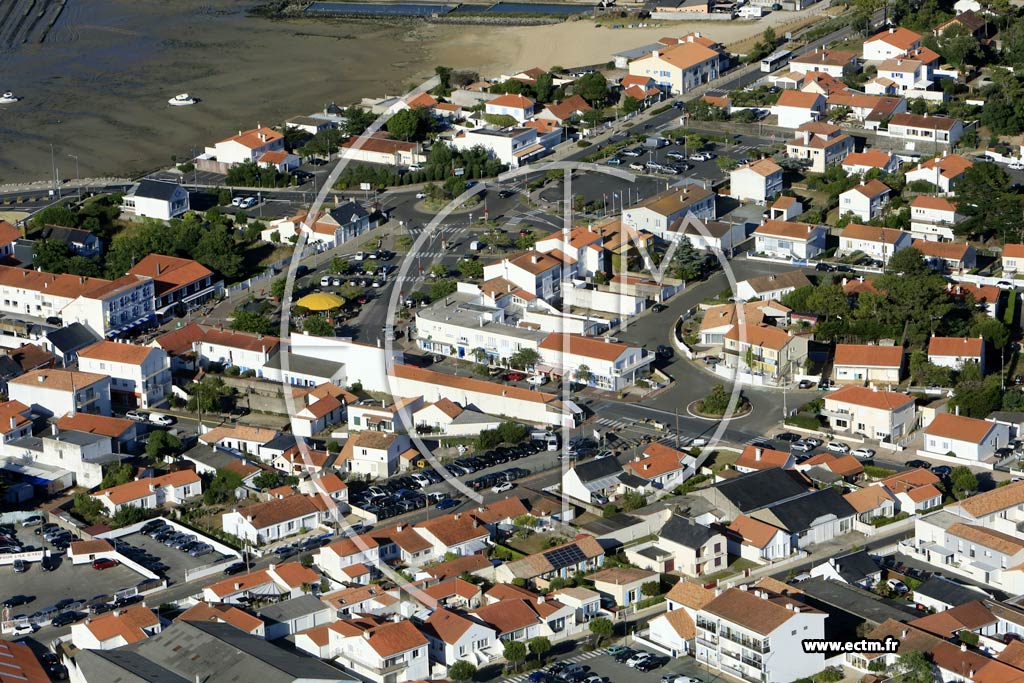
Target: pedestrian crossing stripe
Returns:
[[570, 660]]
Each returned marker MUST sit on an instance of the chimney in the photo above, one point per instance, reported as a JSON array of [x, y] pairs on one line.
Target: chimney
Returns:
[[963, 647], [743, 587], [807, 137], [655, 54], [159, 267], [41, 379], [904, 635], [758, 452], [457, 516], [238, 586], [647, 466], [892, 30], [14, 422], [53, 429], [535, 258], [789, 606]]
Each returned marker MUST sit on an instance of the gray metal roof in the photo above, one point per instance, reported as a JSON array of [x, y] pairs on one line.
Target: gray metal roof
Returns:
[[286, 610], [121, 666], [799, 514], [948, 592], [72, 337], [221, 653], [760, 489], [680, 530], [853, 600], [155, 189], [856, 566], [306, 365]]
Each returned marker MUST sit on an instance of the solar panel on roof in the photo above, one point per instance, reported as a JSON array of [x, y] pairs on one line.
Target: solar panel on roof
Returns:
[[564, 557]]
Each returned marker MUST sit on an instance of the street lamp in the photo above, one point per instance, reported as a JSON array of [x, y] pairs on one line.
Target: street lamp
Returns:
[[78, 177]]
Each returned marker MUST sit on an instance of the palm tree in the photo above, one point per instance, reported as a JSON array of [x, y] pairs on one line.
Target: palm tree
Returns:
[[480, 355]]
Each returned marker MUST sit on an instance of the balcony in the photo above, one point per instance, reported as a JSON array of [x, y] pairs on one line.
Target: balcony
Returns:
[[746, 641], [740, 657], [704, 640], [739, 673]]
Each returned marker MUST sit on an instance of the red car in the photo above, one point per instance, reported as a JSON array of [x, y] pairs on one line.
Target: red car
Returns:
[[104, 563], [514, 376]]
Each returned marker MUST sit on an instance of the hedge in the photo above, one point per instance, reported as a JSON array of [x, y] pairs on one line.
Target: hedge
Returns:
[[804, 421]]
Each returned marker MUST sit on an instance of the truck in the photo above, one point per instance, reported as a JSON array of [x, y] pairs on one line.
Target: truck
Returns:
[[656, 142]]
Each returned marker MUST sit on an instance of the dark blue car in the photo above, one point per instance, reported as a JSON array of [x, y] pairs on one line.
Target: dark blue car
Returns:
[[447, 503]]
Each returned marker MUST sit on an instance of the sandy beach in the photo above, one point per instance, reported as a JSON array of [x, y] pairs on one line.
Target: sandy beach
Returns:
[[97, 87]]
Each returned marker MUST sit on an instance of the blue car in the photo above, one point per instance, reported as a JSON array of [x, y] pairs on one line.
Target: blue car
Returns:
[[447, 503], [538, 677]]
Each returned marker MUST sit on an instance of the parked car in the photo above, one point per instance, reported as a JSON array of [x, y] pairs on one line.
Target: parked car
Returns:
[[514, 376], [837, 447], [787, 436], [920, 464], [104, 563], [161, 419], [625, 654], [136, 416], [32, 520], [801, 447], [66, 619], [247, 203], [23, 629], [942, 470], [502, 487], [637, 658], [651, 663], [537, 380], [897, 586], [863, 453], [805, 384], [615, 650], [18, 600], [20, 566], [447, 504], [814, 441], [201, 549]]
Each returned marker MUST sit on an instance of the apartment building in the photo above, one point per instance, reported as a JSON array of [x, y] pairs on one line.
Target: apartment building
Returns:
[[678, 69], [56, 392], [140, 376], [597, 362], [884, 415]]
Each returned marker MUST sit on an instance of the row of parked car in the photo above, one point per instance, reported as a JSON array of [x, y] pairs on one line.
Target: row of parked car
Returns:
[[170, 536], [498, 481]]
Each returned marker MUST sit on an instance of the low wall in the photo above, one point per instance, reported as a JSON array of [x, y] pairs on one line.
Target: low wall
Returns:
[[134, 528], [208, 570], [29, 556]]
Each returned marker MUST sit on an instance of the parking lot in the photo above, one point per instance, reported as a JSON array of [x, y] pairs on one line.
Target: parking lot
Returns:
[[177, 562], [602, 664], [78, 582]]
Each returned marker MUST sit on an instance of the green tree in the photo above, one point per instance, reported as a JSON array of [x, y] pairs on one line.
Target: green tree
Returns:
[[592, 87], [438, 270], [267, 479], [974, 395], [462, 671], [995, 332], [404, 125], [984, 196], [323, 144], [515, 653], [687, 262], [524, 358], [583, 375], [250, 321], [471, 269], [958, 46], [161, 444], [769, 37], [602, 629], [633, 500], [221, 488], [318, 326], [716, 402], [651, 589], [277, 287], [128, 515], [89, 508], [454, 186], [963, 482], [593, 117], [57, 214], [117, 474], [544, 87], [629, 105], [208, 395], [914, 667], [539, 647], [442, 288], [217, 251]]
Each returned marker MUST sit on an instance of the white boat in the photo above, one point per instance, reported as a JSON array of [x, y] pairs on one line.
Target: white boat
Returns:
[[182, 100], [8, 98]]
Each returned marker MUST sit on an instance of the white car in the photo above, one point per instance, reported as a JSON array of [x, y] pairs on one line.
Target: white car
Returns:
[[537, 380], [502, 487], [136, 416], [421, 195], [325, 281], [837, 447], [23, 630], [161, 419], [637, 167], [897, 586], [1005, 284], [247, 203], [1017, 165], [637, 658], [863, 453], [236, 201]]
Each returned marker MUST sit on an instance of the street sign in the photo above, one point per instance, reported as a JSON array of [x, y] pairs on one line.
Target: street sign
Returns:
[[459, 171], [364, 186]]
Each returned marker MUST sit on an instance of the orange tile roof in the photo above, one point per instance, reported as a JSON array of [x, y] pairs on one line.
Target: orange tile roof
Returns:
[[658, 459], [508, 615], [684, 55], [379, 142], [242, 582], [255, 137], [902, 482], [747, 610], [19, 664], [128, 624], [456, 567], [753, 531], [871, 233], [923, 493], [455, 528], [423, 99], [873, 158], [949, 165], [762, 167], [897, 36], [447, 626], [799, 99], [923, 201], [394, 637], [994, 500], [955, 251], [768, 458], [990, 538], [868, 498], [869, 355], [764, 336], [442, 379], [227, 614], [113, 427], [969, 347], [675, 199], [872, 188], [240, 432], [116, 352], [58, 379], [870, 398], [512, 102], [587, 347], [950, 426], [690, 594], [830, 57], [263, 515], [92, 547], [788, 229], [15, 410], [568, 107], [169, 272], [922, 122], [294, 575], [134, 490]]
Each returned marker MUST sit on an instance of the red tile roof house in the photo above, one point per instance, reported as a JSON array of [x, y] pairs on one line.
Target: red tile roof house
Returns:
[[890, 43], [967, 438], [275, 519], [276, 581], [953, 352], [215, 345], [754, 458], [224, 614], [461, 533], [373, 651], [933, 218], [518, 107], [567, 110], [912, 491], [178, 281], [1013, 258], [115, 629], [943, 171], [455, 637], [140, 376], [877, 242], [757, 541], [334, 558], [867, 364], [662, 467], [379, 148], [884, 415], [865, 201], [795, 108], [175, 488], [21, 664]]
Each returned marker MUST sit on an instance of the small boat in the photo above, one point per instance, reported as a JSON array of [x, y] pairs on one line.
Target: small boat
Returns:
[[182, 100], [8, 98]]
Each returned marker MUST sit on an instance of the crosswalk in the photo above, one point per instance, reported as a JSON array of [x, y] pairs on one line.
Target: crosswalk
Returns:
[[582, 657]]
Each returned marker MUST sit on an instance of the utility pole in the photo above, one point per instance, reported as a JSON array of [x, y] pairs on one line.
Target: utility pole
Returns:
[[78, 177]]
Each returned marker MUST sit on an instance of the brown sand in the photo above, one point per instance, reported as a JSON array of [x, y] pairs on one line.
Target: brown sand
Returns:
[[98, 87]]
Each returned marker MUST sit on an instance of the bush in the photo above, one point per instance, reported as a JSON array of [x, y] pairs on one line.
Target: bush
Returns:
[[883, 521], [610, 510], [804, 421], [583, 143], [877, 472], [648, 602]]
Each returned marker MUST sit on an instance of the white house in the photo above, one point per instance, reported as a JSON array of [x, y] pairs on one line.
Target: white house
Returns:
[[511, 146], [757, 181], [156, 199], [140, 376], [822, 144], [954, 352], [533, 272], [715, 235], [174, 488], [933, 218], [757, 541], [865, 201], [680, 68], [943, 171], [944, 257], [393, 651], [658, 213], [867, 364], [373, 453], [795, 108], [749, 633], [965, 437], [923, 128], [883, 415], [889, 43], [771, 287], [596, 362], [249, 145], [115, 629], [876, 242], [518, 107], [905, 73], [1013, 258], [798, 241], [662, 467], [276, 582], [454, 637], [584, 243], [835, 63], [59, 392], [275, 519], [860, 163]]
